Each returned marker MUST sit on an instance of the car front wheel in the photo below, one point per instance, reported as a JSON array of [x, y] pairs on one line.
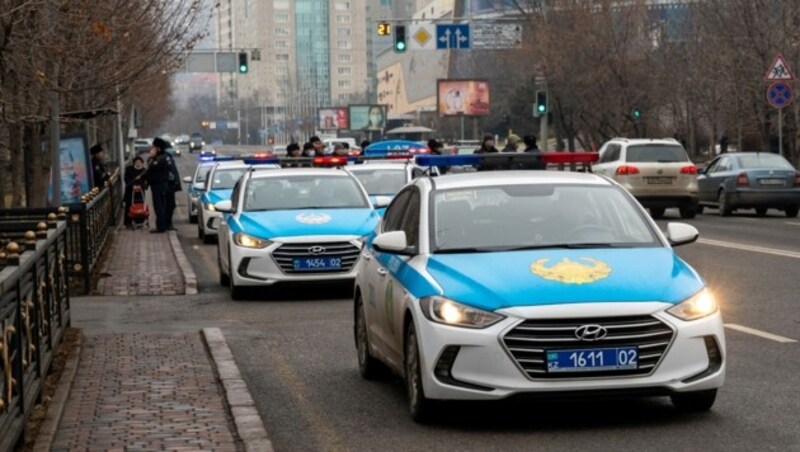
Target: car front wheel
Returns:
[[420, 407], [688, 211], [791, 212], [237, 292], [657, 212], [224, 278], [368, 367], [694, 402], [725, 210]]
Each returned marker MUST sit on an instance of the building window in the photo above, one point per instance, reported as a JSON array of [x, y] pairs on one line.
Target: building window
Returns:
[[344, 97], [281, 57], [344, 58], [282, 70], [342, 6], [345, 84], [280, 31], [342, 18], [281, 44], [280, 4], [281, 18], [344, 44], [346, 70], [341, 31]]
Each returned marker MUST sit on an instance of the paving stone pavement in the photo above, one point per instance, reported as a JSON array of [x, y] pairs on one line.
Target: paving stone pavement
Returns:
[[144, 392], [140, 263]]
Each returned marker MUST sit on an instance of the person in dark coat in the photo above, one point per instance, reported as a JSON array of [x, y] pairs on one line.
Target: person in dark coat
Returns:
[[532, 148], [293, 150], [487, 146], [159, 171], [175, 186], [133, 177], [99, 171], [308, 150]]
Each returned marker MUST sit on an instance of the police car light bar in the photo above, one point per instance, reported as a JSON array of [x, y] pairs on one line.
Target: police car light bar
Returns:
[[262, 160], [211, 158], [334, 160]]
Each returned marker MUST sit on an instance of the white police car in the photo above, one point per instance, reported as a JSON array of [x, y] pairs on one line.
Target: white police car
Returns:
[[221, 180], [490, 285], [293, 225], [197, 185], [385, 177]]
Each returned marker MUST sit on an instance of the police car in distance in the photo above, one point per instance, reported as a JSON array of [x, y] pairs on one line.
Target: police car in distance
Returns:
[[490, 285], [386, 177], [196, 184], [221, 180], [293, 225]]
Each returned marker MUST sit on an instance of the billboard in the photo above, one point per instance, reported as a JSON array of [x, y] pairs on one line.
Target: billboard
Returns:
[[462, 97], [367, 117], [332, 118]]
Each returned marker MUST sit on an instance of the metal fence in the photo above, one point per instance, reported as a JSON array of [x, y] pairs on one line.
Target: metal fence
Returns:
[[34, 312], [89, 222]]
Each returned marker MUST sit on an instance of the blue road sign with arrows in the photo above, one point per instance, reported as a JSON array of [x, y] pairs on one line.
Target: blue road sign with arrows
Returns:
[[452, 36]]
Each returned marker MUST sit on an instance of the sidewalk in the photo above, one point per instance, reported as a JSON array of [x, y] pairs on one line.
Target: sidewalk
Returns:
[[145, 392], [140, 263]]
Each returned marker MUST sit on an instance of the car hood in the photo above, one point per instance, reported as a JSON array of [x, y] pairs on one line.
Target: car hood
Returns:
[[215, 196], [287, 223], [529, 278]]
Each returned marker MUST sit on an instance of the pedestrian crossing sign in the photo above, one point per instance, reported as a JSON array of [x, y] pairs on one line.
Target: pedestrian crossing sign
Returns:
[[779, 71]]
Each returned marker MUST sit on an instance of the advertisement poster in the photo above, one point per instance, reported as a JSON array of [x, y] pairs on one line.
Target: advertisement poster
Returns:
[[333, 118], [75, 168], [367, 117], [463, 97]]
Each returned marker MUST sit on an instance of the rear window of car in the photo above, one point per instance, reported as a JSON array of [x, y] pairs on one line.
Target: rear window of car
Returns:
[[763, 161], [656, 153]]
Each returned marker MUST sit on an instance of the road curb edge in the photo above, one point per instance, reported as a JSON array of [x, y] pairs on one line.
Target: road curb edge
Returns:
[[189, 277], [249, 425]]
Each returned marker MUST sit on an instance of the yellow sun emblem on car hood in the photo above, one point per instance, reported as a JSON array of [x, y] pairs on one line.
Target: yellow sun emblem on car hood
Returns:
[[572, 272]]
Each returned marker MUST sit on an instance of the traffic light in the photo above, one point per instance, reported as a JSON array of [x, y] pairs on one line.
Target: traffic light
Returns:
[[636, 113], [243, 67], [400, 44], [540, 108], [384, 29]]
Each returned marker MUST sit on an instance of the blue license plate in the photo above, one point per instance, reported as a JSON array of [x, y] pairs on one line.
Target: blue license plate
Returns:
[[317, 263], [592, 360]]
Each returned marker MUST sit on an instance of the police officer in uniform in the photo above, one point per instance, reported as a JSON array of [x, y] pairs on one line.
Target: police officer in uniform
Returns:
[[159, 172], [99, 171]]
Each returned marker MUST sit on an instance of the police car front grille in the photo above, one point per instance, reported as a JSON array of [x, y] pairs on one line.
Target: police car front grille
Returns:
[[529, 342], [285, 254]]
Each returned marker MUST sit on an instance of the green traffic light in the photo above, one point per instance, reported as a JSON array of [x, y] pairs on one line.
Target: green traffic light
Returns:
[[242, 69], [401, 46], [541, 108]]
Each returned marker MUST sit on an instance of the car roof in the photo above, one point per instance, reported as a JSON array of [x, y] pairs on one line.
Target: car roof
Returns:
[[232, 164], [637, 141], [524, 177], [288, 172], [371, 166]]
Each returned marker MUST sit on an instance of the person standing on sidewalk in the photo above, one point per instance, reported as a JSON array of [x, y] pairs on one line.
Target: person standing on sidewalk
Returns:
[[159, 170], [133, 177], [175, 186], [99, 171]]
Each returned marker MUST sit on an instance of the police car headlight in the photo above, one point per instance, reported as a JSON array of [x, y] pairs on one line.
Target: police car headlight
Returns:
[[248, 241], [699, 305], [446, 311], [210, 207]]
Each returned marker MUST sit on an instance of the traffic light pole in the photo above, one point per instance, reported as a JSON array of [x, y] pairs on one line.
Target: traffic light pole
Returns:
[[543, 131]]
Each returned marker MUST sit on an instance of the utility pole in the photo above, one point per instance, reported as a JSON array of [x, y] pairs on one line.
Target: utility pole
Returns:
[[55, 130]]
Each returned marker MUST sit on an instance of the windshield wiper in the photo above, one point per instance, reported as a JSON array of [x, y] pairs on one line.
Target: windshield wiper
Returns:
[[464, 250], [569, 246]]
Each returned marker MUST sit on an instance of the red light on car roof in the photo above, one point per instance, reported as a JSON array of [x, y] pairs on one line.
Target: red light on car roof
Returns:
[[262, 155], [330, 161], [627, 170], [570, 157]]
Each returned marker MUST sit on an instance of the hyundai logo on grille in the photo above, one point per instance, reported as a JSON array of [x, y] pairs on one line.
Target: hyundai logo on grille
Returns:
[[316, 250], [590, 333]]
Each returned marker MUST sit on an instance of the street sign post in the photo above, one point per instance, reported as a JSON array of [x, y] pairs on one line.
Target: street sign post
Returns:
[[779, 71], [779, 95], [423, 36], [492, 35], [452, 36]]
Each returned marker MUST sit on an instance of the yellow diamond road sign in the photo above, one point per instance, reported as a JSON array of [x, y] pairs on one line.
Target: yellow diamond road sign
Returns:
[[422, 36]]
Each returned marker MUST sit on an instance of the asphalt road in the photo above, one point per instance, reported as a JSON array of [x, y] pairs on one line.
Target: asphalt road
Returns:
[[295, 350]]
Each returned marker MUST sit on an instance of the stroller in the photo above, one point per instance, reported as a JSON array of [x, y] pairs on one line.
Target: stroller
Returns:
[[138, 211]]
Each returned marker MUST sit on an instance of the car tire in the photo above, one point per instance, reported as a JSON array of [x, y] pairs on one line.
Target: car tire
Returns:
[[688, 211], [224, 278], [369, 367], [657, 212], [420, 407], [761, 211], [725, 209], [200, 234], [193, 219], [208, 239], [694, 402], [700, 208], [791, 212], [237, 293]]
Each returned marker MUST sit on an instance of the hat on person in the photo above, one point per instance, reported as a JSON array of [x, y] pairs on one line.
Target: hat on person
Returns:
[[96, 149], [513, 139], [160, 144]]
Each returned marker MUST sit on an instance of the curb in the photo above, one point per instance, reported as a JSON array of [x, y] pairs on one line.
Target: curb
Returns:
[[47, 432], [249, 425], [189, 277]]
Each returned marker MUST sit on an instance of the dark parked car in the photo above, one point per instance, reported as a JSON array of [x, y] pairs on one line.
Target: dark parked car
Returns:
[[750, 180]]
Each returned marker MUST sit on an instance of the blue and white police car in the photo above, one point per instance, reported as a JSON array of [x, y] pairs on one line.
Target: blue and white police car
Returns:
[[196, 185], [384, 178], [490, 285], [293, 225]]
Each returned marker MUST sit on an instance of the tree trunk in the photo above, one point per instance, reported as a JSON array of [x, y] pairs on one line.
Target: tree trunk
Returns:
[[17, 165], [36, 188]]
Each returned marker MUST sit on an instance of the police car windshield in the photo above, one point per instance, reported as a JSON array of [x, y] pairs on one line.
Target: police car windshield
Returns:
[[303, 192], [382, 181], [225, 179], [503, 218], [202, 173]]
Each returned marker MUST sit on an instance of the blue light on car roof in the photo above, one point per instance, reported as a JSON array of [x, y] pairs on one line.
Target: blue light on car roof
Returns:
[[226, 158], [447, 160], [263, 161]]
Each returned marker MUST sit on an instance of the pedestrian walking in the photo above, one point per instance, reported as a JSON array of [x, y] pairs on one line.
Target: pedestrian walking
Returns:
[[133, 179], [99, 171], [159, 170]]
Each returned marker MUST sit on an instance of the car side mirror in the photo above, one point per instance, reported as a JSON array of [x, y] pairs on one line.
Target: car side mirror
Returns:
[[199, 186], [701, 170], [681, 234], [224, 206], [391, 242], [382, 201], [187, 180]]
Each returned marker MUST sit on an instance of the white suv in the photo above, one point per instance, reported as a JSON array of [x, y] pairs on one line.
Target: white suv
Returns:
[[657, 172]]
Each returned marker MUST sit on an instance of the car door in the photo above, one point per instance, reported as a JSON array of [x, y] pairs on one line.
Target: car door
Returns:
[[705, 190], [609, 158], [378, 280], [720, 176]]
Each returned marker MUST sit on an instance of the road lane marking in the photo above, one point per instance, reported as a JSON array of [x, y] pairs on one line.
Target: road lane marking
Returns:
[[792, 223], [759, 333], [752, 248]]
